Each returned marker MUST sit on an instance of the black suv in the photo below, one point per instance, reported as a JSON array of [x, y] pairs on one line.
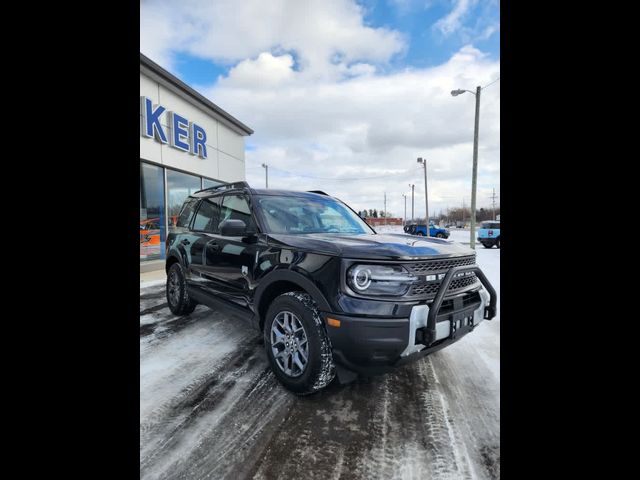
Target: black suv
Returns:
[[329, 293]]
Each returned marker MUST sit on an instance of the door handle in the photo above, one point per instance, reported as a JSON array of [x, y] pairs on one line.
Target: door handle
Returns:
[[213, 246], [185, 242]]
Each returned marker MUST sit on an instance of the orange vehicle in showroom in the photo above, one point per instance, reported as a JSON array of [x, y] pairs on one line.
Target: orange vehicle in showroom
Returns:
[[150, 232]]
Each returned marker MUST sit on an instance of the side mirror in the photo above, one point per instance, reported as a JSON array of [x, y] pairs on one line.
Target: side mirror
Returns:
[[233, 228]]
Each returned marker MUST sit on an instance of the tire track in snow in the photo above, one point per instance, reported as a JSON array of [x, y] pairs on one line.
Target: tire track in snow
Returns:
[[473, 403], [167, 425], [204, 384], [225, 430], [211, 408], [448, 461]]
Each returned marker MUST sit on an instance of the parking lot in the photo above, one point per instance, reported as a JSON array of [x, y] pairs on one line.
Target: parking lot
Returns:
[[211, 408]]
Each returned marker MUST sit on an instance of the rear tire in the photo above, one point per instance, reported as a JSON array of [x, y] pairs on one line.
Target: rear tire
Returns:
[[487, 245], [177, 297], [298, 312], [498, 243]]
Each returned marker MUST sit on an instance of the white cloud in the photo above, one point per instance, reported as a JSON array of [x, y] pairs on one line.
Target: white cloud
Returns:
[[266, 71], [453, 21], [326, 35], [306, 76], [372, 126]]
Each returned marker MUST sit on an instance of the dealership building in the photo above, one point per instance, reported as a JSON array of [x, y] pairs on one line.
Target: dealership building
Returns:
[[186, 143]]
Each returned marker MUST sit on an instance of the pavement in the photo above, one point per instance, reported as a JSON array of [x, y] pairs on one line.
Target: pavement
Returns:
[[154, 278], [211, 408]]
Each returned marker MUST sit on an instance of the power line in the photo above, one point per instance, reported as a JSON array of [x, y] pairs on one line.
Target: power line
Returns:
[[491, 83], [338, 179]]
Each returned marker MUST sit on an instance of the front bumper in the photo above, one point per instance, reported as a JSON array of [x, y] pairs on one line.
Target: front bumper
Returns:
[[488, 241], [369, 345]]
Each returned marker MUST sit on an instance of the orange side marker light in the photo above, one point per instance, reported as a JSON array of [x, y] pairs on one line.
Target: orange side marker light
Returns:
[[333, 322]]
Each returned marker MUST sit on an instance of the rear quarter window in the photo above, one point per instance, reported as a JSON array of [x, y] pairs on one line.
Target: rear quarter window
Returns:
[[185, 215]]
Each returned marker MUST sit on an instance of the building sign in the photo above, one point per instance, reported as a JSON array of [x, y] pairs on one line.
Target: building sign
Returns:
[[180, 133]]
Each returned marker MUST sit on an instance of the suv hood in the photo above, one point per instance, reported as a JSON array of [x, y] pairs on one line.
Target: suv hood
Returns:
[[372, 247]]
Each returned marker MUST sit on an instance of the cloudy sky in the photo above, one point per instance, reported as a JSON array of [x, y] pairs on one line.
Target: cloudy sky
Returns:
[[344, 95]]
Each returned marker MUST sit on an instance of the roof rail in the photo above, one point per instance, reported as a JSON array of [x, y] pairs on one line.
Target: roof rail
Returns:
[[225, 186], [319, 192]]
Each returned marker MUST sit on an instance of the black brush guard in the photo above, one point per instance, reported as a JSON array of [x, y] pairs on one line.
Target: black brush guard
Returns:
[[490, 310]]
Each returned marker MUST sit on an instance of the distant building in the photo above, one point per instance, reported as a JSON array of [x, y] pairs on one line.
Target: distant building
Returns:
[[381, 221]]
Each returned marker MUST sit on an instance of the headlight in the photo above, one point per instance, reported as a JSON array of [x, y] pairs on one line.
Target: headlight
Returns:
[[379, 279]]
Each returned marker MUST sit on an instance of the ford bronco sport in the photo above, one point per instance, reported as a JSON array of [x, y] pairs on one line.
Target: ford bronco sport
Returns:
[[329, 294]]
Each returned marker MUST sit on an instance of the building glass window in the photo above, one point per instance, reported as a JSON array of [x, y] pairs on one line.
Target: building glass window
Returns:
[[206, 183], [179, 187], [152, 212]]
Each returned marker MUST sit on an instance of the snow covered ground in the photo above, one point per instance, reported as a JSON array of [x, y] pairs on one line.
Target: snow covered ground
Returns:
[[211, 408]]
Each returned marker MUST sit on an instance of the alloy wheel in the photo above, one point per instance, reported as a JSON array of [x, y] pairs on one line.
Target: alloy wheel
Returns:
[[289, 343], [174, 288]]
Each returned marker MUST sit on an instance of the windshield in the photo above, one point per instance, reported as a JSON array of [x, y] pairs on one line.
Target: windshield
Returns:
[[490, 225], [293, 214]]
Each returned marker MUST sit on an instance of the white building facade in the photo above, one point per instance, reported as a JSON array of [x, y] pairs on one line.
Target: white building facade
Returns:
[[186, 143]]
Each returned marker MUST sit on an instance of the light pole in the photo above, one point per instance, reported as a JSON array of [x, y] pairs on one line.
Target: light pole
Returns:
[[385, 208], [412, 187], [426, 195], [266, 173], [474, 176], [404, 219]]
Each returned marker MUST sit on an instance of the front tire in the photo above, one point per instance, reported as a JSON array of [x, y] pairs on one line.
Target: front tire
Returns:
[[440, 235], [177, 297], [297, 345], [487, 245], [498, 243]]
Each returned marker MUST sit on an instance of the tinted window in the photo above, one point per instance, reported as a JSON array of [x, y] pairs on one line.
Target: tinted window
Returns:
[[236, 207], [490, 225], [186, 213], [208, 215]]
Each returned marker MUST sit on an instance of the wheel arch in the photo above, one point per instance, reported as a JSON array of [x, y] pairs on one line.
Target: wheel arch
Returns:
[[171, 259], [283, 281]]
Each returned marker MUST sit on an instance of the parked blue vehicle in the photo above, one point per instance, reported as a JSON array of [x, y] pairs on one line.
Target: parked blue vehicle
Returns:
[[489, 234], [422, 231]]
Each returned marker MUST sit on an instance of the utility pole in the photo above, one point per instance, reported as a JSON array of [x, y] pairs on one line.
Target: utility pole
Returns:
[[266, 173], [412, 187], [385, 208], [474, 178], [404, 219], [423, 161], [493, 202]]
